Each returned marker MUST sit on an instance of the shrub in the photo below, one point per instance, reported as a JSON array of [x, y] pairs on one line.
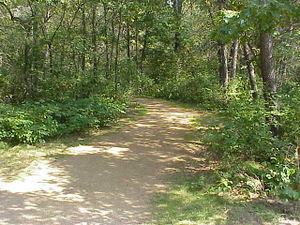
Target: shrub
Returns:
[[244, 136], [202, 89], [33, 122]]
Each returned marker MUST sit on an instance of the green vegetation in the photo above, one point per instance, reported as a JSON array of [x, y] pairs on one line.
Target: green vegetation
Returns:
[[196, 200], [15, 159], [251, 156], [238, 58], [227, 188], [33, 122]]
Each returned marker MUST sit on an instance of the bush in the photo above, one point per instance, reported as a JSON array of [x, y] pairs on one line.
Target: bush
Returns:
[[244, 136], [201, 89], [33, 122]]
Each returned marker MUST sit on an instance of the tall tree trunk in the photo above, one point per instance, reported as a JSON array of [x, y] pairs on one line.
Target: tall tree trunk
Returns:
[[137, 47], [177, 6], [50, 53], [269, 81], [35, 52], [27, 66], [112, 48], [118, 52], [223, 55], [106, 41], [144, 49], [128, 40], [251, 71], [94, 42], [84, 34], [233, 59], [223, 67]]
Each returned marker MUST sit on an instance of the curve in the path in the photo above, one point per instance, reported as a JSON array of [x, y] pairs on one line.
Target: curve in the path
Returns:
[[109, 181]]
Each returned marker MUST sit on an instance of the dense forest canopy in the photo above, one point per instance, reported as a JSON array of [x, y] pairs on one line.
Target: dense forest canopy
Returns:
[[239, 56]]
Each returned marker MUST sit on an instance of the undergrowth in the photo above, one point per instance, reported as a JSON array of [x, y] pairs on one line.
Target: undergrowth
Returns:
[[33, 122], [253, 160]]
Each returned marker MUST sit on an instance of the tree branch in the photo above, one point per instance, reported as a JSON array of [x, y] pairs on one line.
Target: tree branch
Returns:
[[12, 17]]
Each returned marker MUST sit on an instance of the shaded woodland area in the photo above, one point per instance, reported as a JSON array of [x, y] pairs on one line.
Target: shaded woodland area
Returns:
[[67, 65]]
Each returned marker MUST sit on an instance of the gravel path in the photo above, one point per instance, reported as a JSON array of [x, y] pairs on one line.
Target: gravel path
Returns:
[[110, 181]]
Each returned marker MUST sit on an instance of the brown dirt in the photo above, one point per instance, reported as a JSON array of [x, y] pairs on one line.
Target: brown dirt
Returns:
[[110, 181]]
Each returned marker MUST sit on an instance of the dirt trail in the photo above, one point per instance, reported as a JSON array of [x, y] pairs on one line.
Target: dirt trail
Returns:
[[109, 181]]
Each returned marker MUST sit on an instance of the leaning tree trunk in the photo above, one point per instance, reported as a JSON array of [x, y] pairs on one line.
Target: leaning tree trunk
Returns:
[[269, 81]]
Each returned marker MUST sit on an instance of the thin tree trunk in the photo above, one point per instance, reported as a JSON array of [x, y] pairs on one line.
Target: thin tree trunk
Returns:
[[137, 47], [94, 42], [251, 71], [118, 52], [143, 54], [128, 40], [233, 59], [177, 6], [106, 42], [223, 55], [269, 81], [50, 53], [36, 56], [111, 56], [84, 34], [223, 68]]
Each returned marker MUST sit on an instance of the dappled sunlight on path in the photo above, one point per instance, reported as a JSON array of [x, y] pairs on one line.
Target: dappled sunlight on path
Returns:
[[108, 181]]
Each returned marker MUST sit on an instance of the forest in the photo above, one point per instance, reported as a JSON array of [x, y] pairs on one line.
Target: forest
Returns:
[[66, 66]]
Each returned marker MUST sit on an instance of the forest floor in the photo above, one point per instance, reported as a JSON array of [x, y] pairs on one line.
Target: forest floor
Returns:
[[135, 175]]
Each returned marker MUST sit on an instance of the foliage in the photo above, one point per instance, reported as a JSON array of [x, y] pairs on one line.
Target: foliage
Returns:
[[34, 121], [262, 162], [198, 89], [194, 200], [55, 55]]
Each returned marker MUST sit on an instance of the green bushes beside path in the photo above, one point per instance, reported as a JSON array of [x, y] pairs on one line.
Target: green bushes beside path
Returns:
[[35, 121]]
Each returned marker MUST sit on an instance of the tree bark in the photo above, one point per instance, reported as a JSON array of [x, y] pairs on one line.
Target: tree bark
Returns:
[[269, 81], [118, 52], [144, 50], [177, 6], [223, 67], [106, 41], [94, 42], [128, 40], [233, 59], [84, 33], [111, 55], [137, 47], [251, 71]]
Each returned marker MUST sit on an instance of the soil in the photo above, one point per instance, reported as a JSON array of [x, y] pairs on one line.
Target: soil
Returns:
[[111, 180]]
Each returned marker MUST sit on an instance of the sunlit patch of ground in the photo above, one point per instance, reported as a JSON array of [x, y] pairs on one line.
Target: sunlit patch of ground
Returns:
[[40, 176]]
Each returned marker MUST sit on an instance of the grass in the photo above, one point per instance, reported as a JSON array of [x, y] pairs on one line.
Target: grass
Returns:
[[194, 200], [15, 159]]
